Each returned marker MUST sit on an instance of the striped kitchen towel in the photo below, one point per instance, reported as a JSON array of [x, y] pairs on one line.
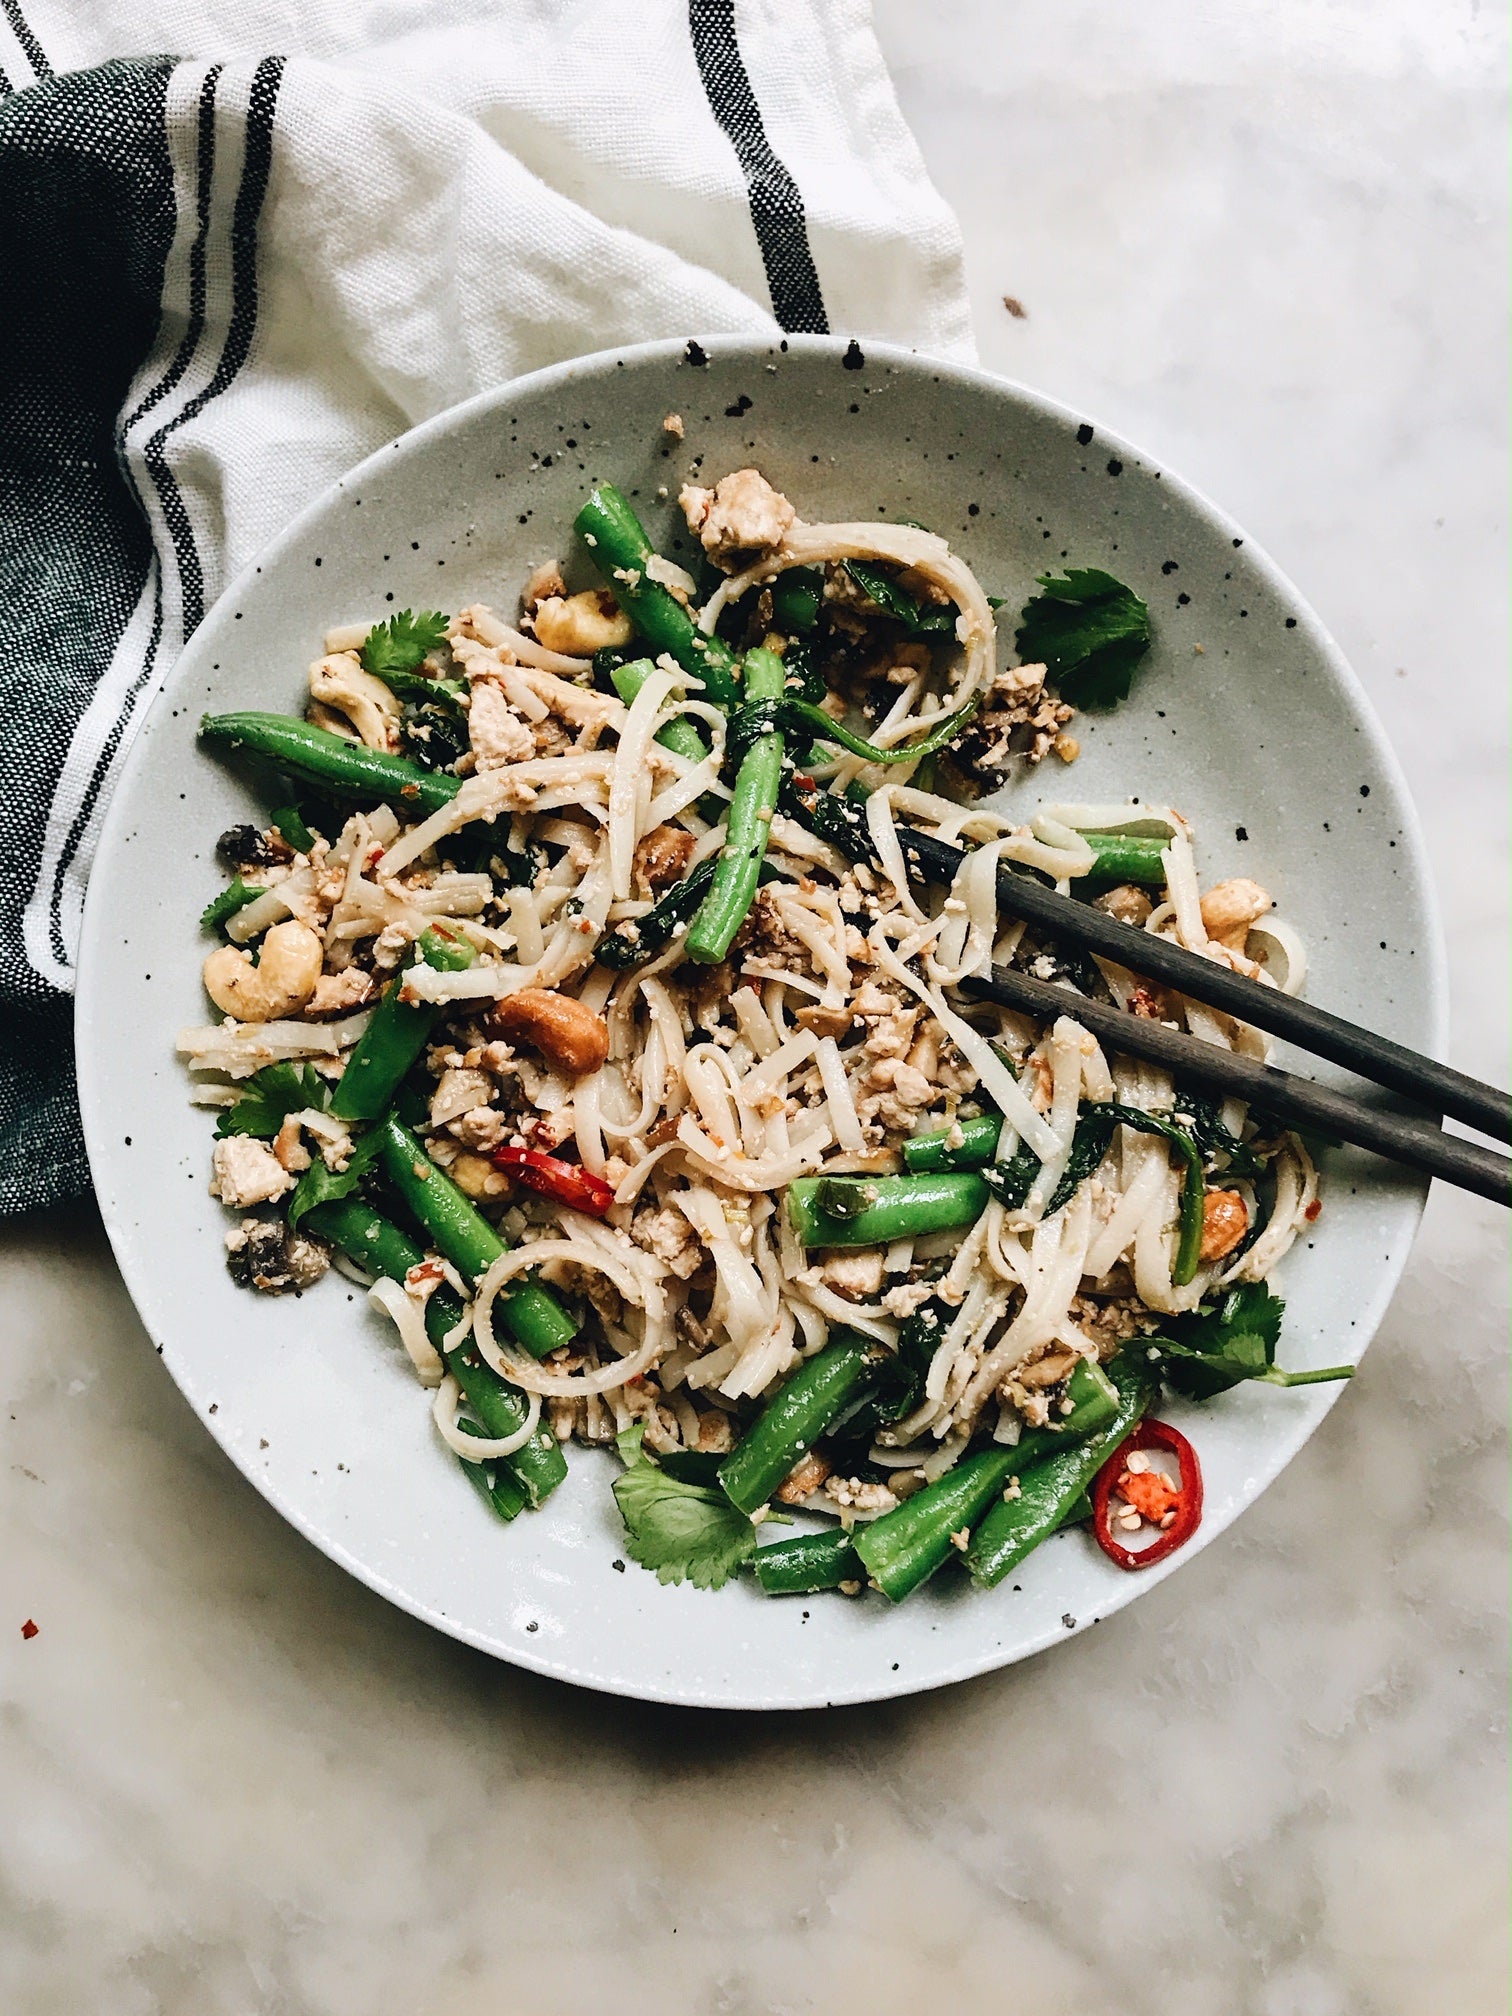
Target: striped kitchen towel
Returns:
[[232, 270]]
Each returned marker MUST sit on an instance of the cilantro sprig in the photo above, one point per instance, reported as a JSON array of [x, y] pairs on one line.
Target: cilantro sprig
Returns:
[[320, 1185], [270, 1096], [236, 897], [1089, 631], [684, 1532], [400, 644], [1212, 1350]]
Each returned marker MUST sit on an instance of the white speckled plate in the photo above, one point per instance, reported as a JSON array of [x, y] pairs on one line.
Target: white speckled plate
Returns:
[[1245, 716]]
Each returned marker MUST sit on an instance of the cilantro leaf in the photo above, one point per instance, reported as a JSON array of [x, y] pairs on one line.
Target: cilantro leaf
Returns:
[[229, 901], [1216, 1349], [270, 1096], [685, 1532], [1090, 632], [319, 1185], [401, 643]]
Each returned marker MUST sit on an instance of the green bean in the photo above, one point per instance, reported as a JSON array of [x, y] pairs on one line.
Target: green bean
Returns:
[[796, 598], [1048, 1490], [331, 762], [679, 735], [905, 1546], [793, 1421], [378, 1246], [929, 1153], [609, 527], [1126, 857], [501, 1492], [876, 1210], [396, 1035], [1094, 1403], [752, 804], [532, 1313], [808, 1562]]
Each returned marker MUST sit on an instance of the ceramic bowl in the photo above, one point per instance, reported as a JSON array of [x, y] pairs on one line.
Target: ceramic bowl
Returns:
[[1245, 716]]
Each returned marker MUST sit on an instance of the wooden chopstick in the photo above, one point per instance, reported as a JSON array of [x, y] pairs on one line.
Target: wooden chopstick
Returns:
[[1377, 1058], [1296, 1102]]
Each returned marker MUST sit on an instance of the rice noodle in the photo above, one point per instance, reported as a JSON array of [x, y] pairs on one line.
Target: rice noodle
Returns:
[[408, 1317], [479, 1448]]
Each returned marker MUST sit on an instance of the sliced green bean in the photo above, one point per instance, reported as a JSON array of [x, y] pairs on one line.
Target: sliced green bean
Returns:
[[379, 1247], [876, 1210], [1048, 1490], [793, 1421], [807, 1563], [621, 548], [752, 805], [396, 1035], [532, 1313], [976, 1144], [330, 762], [679, 735]]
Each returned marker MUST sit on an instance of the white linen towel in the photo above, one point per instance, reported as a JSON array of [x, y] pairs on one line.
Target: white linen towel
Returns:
[[242, 266]]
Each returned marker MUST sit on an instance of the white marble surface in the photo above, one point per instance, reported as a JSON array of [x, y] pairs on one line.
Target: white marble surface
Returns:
[[1269, 244]]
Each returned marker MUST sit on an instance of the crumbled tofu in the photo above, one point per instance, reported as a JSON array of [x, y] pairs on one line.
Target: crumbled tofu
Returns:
[[545, 581], [856, 1275], [247, 1172], [741, 515], [668, 1235], [341, 993], [856, 1495], [499, 735]]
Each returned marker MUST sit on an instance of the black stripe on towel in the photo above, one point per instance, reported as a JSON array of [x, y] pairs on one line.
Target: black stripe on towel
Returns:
[[249, 202], [31, 47], [776, 205]]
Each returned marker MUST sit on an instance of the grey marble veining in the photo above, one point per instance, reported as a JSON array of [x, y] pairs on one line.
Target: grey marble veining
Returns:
[[1269, 244]]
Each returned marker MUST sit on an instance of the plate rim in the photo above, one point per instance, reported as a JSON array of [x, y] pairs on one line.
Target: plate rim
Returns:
[[670, 351]]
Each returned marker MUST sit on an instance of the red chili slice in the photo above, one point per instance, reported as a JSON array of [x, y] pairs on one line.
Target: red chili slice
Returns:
[[1186, 1504], [566, 1182]]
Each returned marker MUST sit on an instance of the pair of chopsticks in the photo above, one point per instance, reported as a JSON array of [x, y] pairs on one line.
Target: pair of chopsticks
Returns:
[[1419, 1144]]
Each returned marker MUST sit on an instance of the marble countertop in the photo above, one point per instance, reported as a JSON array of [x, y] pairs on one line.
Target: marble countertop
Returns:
[[1270, 245]]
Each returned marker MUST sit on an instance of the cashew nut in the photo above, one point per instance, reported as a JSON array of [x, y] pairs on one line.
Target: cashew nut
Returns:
[[566, 1033], [1230, 908], [1224, 1223], [579, 625], [282, 981], [340, 681]]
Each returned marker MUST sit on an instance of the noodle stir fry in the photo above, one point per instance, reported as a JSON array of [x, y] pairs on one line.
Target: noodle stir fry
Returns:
[[581, 1003]]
